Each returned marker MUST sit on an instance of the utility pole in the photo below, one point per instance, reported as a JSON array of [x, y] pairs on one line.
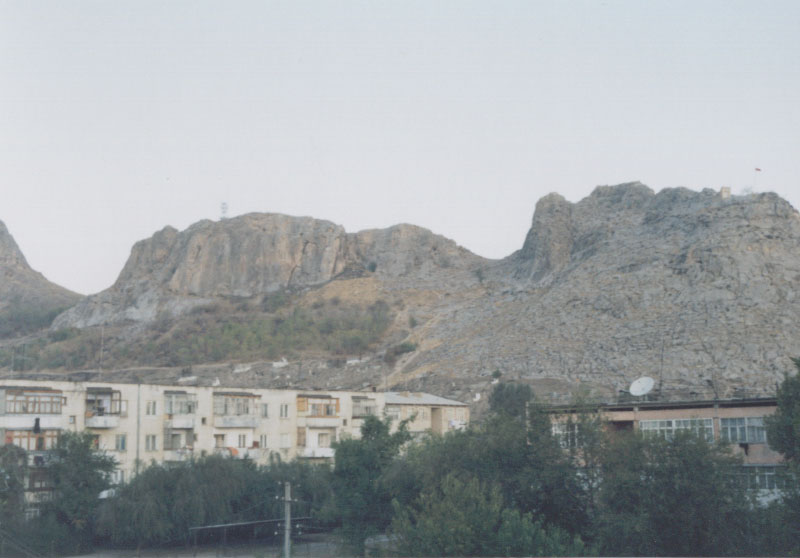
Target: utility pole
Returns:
[[287, 519]]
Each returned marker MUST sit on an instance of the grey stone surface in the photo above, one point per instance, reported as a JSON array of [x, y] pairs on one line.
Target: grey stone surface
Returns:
[[21, 285], [696, 290]]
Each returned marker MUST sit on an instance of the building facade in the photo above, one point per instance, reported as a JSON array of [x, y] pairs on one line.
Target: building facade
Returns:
[[144, 423], [739, 422]]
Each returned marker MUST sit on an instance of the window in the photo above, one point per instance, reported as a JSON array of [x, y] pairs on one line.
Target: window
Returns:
[[263, 440], [117, 476], [179, 404], [172, 440], [100, 401], [120, 442], [285, 441], [284, 410], [150, 443], [28, 440], [264, 410], [761, 478], [39, 480], [324, 440], [566, 433], [242, 440], [219, 440], [393, 411], [96, 442], [749, 430], [151, 408], [32, 402], [363, 407], [323, 409], [233, 405], [667, 428]]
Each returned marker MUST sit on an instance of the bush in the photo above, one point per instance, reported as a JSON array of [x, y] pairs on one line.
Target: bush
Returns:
[[393, 352]]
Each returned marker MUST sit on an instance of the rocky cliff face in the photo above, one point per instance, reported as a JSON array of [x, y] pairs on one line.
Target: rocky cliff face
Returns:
[[256, 254], [699, 291], [23, 290]]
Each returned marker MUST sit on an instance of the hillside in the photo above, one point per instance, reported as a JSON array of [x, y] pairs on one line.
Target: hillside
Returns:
[[697, 290], [28, 301]]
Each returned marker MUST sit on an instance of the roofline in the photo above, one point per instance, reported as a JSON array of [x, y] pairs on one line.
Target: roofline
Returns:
[[660, 405]]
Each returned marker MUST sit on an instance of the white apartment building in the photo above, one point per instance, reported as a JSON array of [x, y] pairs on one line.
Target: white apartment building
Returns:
[[143, 423]]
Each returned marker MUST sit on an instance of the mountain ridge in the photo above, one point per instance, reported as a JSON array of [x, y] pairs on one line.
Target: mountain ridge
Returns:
[[697, 289]]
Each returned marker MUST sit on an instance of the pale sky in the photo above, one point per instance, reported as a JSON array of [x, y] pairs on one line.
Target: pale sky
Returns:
[[119, 118]]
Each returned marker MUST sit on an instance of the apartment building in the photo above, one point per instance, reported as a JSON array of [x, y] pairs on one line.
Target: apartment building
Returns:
[[739, 422], [143, 423]]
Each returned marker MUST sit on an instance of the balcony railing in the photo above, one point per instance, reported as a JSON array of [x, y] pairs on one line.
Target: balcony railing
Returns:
[[179, 422], [19, 422], [102, 421], [235, 421], [178, 455], [317, 453]]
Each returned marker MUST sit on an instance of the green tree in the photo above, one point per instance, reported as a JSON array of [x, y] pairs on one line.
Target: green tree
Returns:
[[511, 399], [468, 518], [521, 457], [783, 433], [362, 497], [13, 470], [78, 474], [674, 497], [783, 428], [161, 503]]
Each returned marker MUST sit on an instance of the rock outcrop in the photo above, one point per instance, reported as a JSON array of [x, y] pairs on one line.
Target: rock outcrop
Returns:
[[257, 254], [697, 290], [23, 290]]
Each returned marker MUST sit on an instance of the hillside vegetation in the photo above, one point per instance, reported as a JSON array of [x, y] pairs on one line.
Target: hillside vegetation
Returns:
[[264, 328]]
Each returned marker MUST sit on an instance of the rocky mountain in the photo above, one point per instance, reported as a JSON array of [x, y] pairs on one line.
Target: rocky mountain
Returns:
[[255, 254], [699, 290], [25, 294]]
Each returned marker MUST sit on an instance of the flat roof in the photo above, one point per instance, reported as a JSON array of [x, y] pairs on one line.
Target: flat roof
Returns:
[[660, 405], [31, 388], [411, 398]]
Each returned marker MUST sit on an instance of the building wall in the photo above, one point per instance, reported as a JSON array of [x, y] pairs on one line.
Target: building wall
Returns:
[[136, 429], [760, 463], [758, 453]]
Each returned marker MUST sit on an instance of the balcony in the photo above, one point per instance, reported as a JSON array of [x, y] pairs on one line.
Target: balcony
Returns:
[[102, 421], [178, 455], [179, 422], [322, 421], [39, 458], [235, 421], [22, 422], [235, 453], [317, 453]]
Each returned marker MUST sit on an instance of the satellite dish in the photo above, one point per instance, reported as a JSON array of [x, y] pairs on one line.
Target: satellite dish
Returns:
[[642, 386]]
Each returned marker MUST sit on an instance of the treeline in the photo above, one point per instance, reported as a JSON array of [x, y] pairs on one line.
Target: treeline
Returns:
[[506, 486]]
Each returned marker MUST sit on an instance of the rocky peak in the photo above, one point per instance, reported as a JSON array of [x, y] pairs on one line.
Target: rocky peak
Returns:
[[548, 244], [255, 254], [25, 292], [10, 254]]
